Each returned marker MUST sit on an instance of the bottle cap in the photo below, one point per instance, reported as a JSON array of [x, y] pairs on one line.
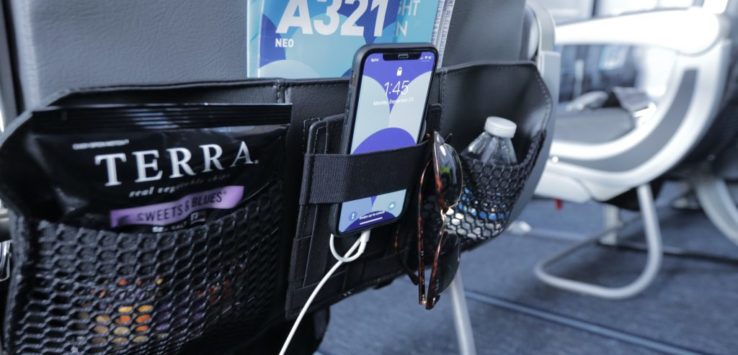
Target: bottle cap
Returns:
[[501, 127]]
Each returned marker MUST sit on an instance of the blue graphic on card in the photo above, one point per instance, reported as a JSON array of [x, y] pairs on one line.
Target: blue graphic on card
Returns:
[[388, 116], [313, 38], [318, 38]]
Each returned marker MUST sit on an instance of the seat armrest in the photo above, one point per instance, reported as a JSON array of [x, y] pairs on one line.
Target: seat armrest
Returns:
[[688, 31], [546, 26]]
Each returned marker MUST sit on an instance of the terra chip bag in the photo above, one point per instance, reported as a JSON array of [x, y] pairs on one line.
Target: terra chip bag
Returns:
[[148, 168]]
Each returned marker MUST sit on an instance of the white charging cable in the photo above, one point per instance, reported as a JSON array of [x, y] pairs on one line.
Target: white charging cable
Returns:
[[345, 259], [350, 256]]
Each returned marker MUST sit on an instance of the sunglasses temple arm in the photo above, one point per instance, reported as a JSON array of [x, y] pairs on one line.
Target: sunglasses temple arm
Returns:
[[432, 289], [421, 247], [421, 255]]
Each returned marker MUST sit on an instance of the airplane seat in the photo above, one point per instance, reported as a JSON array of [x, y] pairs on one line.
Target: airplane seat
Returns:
[[55, 46], [602, 154], [713, 164]]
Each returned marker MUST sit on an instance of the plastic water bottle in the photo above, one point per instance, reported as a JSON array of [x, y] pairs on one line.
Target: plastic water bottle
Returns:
[[493, 146]]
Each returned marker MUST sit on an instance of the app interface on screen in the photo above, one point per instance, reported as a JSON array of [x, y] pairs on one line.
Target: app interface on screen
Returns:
[[389, 115]]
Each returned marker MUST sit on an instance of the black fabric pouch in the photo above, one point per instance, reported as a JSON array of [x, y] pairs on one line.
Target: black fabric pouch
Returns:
[[142, 229], [383, 259], [461, 99]]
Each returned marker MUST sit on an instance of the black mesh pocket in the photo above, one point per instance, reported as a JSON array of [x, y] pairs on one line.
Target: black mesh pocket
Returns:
[[490, 194], [78, 290]]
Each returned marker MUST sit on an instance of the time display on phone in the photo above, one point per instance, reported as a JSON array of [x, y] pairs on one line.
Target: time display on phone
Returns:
[[396, 88]]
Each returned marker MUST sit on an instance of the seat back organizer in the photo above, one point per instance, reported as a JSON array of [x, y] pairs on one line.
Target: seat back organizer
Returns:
[[76, 289]]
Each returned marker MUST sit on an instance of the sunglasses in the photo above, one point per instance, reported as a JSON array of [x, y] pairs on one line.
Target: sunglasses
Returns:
[[439, 190]]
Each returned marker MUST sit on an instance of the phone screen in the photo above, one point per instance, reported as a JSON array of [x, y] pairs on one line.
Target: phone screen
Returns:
[[392, 96]]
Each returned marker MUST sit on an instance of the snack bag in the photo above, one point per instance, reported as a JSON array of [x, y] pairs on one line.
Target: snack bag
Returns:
[[150, 168]]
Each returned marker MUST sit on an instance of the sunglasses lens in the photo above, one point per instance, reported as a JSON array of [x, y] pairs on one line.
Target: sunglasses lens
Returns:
[[449, 170], [433, 225]]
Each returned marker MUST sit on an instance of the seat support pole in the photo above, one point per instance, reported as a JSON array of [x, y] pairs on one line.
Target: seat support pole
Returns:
[[718, 204], [611, 221], [464, 333], [653, 262]]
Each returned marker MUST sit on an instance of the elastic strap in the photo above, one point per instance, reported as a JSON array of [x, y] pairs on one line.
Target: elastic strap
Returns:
[[335, 178]]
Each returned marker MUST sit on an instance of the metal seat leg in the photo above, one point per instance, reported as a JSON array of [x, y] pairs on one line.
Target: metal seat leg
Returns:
[[653, 263], [611, 219], [464, 333], [718, 204]]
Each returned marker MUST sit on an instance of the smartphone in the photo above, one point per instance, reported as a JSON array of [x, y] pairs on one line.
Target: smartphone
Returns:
[[387, 102]]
